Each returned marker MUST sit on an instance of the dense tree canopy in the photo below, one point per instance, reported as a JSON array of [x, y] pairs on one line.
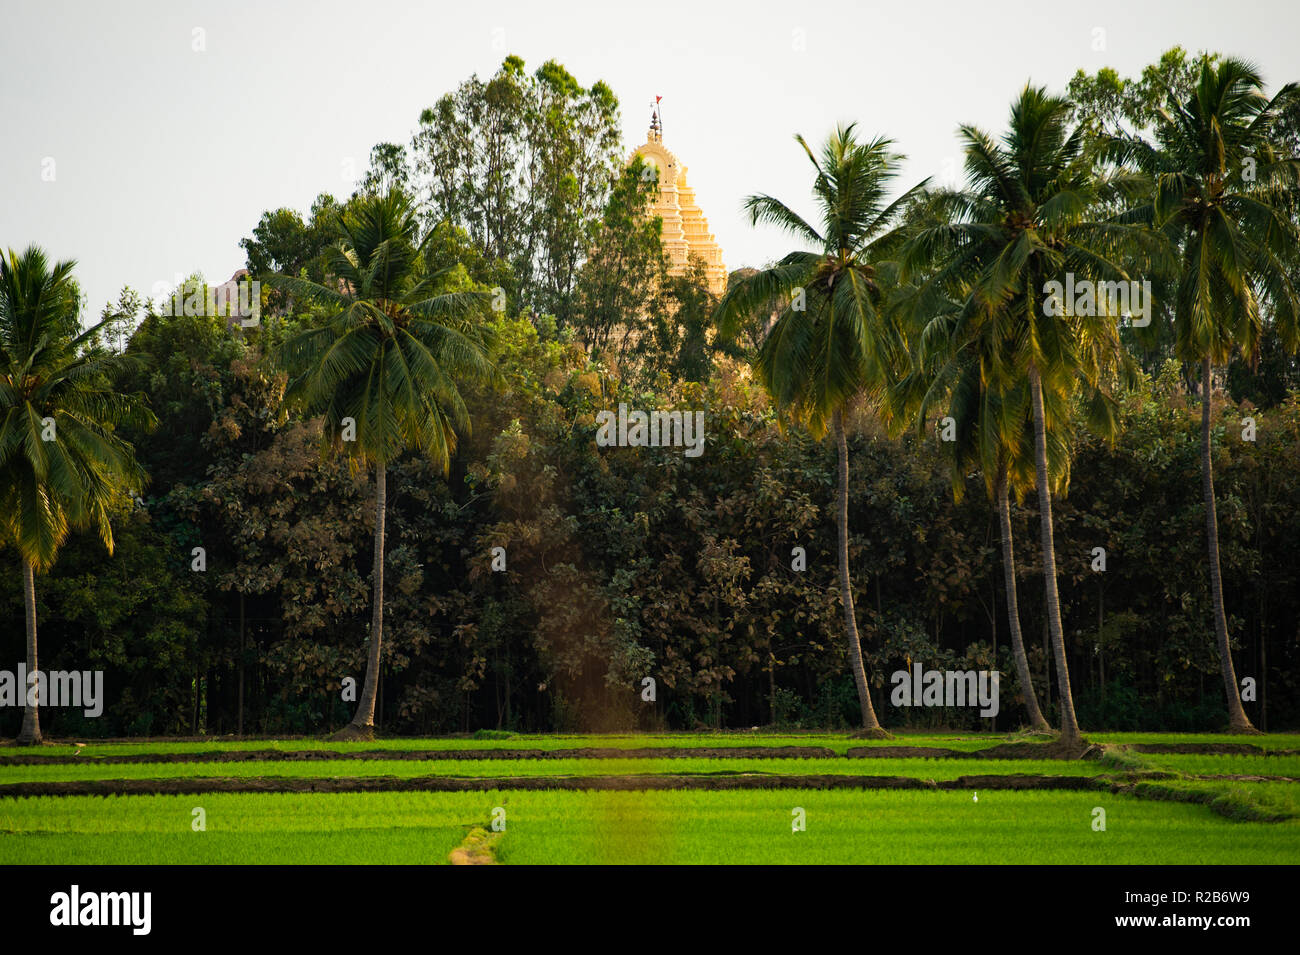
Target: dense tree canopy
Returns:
[[619, 563]]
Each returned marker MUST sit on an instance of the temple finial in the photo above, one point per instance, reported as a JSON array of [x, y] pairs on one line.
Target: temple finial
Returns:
[[656, 122]]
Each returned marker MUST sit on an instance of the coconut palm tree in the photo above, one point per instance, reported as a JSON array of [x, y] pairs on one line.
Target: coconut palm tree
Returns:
[[965, 364], [385, 367], [1224, 194], [62, 467], [1024, 220], [832, 342], [990, 419]]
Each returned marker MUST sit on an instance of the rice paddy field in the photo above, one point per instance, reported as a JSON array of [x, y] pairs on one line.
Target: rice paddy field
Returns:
[[701, 798]]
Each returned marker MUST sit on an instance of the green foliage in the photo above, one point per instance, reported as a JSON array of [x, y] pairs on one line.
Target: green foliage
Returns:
[[282, 243], [831, 340], [628, 562], [392, 354], [1223, 192], [524, 164], [62, 466], [1107, 102], [625, 269]]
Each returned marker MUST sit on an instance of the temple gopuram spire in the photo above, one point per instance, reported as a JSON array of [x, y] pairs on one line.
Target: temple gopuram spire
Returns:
[[686, 230]]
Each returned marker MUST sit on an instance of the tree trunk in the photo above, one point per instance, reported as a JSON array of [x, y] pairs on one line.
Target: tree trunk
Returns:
[[1263, 685], [30, 733], [239, 731], [1047, 662], [510, 681], [364, 721], [771, 688], [869, 721], [1238, 721], [1036, 720], [1069, 723], [1101, 650]]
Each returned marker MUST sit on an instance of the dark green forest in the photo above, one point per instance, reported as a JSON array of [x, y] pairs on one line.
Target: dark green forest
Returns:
[[622, 563]]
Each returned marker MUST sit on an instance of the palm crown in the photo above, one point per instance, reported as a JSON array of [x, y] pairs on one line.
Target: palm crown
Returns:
[[1026, 218], [981, 258], [832, 338], [393, 353], [61, 462], [1223, 193]]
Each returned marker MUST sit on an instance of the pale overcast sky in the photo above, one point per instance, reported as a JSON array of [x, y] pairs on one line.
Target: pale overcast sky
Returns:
[[164, 157]]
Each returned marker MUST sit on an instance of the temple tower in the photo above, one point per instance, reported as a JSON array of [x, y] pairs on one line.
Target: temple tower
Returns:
[[685, 231]]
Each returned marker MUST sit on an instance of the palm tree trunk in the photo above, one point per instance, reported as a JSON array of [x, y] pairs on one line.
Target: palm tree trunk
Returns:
[[869, 721], [30, 733], [1238, 721], [1036, 720], [239, 731], [364, 722], [1069, 723]]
